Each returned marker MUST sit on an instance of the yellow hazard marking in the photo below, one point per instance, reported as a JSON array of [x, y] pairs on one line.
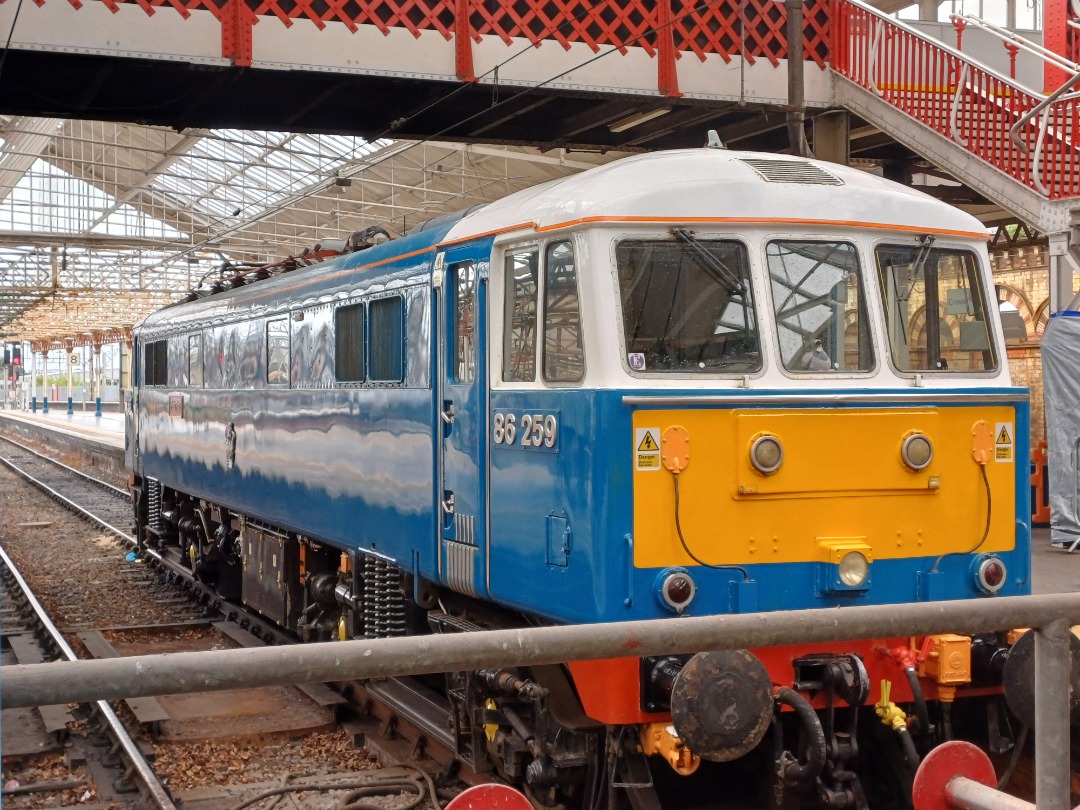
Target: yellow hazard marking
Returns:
[[648, 443], [1003, 436]]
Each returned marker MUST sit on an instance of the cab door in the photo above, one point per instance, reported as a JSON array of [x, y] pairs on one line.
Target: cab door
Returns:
[[131, 411], [462, 404]]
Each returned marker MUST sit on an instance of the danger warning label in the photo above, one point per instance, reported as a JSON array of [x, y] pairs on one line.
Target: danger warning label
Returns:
[[1003, 441], [647, 448]]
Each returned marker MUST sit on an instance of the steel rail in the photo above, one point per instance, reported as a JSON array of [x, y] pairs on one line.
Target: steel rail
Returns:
[[52, 493], [89, 478], [141, 767], [184, 672], [225, 608]]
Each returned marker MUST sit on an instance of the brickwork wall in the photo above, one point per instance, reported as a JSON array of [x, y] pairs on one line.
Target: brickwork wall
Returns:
[[1022, 275]]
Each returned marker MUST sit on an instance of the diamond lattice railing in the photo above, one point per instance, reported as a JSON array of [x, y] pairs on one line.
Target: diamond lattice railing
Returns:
[[697, 28]]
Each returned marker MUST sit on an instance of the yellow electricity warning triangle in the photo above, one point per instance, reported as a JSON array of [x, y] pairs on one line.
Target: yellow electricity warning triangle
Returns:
[[1003, 437], [648, 444]]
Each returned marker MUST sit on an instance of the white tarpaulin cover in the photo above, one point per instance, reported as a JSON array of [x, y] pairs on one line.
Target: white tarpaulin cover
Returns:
[[1061, 396]]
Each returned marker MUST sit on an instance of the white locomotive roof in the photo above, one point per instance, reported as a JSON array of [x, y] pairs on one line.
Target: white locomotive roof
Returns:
[[719, 184]]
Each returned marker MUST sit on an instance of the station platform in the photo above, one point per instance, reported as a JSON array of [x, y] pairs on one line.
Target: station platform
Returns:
[[107, 429], [96, 440]]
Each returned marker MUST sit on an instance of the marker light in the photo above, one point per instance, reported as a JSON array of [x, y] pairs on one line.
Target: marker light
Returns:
[[766, 454], [990, 574], [854, 568], [677, 589], [917, 451]]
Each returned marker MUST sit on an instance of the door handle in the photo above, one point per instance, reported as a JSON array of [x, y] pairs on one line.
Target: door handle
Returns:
[[448, 503], [447, 412]]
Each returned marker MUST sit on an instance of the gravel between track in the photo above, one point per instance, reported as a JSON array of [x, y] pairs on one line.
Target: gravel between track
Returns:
[[77, 573]]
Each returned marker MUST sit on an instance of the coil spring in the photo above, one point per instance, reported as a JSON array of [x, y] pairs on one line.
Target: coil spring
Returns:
[[384, 603], [153, 503]]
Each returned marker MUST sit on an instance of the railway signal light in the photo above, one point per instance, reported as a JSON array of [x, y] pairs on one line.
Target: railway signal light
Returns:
[[7, 356], [16, 355]]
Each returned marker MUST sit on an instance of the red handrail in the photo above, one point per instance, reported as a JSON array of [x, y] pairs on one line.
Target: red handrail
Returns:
[[961, 99]]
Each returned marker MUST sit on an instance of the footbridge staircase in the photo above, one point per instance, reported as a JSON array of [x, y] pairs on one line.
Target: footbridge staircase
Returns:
[[1016, 145]]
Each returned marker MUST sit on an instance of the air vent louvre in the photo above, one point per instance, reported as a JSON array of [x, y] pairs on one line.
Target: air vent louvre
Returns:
[[792, 171]]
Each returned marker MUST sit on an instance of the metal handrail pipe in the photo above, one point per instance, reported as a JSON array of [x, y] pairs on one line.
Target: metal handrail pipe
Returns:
[[1006, 35], [186, 672], [146, 774], [1053, 685], [942, 47], [1023, 120], [967, 794]]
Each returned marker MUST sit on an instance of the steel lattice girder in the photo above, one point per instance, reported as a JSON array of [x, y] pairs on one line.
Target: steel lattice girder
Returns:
[[102, 223]]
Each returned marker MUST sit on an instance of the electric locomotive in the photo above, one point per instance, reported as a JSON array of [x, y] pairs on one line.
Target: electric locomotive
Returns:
[[683, 383]]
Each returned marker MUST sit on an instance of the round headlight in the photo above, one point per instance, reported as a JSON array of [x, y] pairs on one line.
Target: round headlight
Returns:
[[917, 451], [854, 568], [766, 454]]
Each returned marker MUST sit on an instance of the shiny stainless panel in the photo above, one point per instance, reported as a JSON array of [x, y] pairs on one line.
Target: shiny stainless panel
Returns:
[[465, 529], [418, 342], [460, 562]]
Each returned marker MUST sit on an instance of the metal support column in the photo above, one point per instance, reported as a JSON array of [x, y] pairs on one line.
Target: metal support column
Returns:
[[832, 137], [33, 379], [70, 379], [45, 380], [99, 378], [1052, 701]]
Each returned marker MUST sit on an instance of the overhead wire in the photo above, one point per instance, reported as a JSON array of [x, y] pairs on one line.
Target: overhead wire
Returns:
[[11, 33], [395, 125]]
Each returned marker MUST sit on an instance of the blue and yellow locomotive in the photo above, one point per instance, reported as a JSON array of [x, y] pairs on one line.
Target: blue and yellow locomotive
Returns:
[[684, 383]]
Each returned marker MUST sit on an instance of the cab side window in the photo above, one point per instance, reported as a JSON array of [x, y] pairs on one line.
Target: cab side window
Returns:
[[564, 353], [464, 276], [521, 271]]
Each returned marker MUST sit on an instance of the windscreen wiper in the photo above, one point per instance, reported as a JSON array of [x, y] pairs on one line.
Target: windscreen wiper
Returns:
[[717, 268]]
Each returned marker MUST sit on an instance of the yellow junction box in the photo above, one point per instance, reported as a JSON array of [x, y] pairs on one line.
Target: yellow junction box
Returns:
[[949, 661]]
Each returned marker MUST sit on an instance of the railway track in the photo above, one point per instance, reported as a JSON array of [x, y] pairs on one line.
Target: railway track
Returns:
[[100, 502], [399, 721], [34, 620]]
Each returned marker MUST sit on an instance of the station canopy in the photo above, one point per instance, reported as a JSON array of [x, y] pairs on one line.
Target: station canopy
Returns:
[[102, 223]]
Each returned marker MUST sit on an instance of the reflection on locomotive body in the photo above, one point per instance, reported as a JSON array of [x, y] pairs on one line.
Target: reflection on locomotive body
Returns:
[[674, 390]]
